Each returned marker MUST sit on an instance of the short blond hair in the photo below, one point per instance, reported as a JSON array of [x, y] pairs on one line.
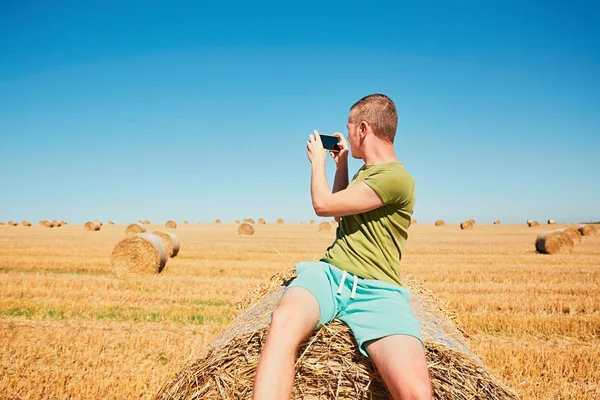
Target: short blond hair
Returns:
[[380, 112]]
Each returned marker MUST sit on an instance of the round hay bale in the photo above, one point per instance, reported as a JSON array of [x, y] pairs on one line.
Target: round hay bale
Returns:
[[587, 230], [133, 229], [414, 221], [171, 241], [13, 223], [528, 221], [63, 222], [496, 222], [98, 221], [467, 224], [26, 223], [248, 220], [440, 222], [551, 222], [171, 224], [532, 224], [237, 221], [185, 222], [147, 222], [1, 223], [245, 229], [111, 222], [280, 220], [329, 363], [324, 226], [47, 224], [471, 221], [261, 221], [141, 253], [92, 226], [573, 234], [217, 221], [58, 224], [312, 221], [553, 242]]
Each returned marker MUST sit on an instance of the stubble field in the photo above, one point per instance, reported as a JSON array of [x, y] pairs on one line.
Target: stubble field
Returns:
[[70, 329]]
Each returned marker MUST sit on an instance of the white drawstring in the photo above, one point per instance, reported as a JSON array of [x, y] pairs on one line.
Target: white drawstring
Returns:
[[354, 287], [342, 282]]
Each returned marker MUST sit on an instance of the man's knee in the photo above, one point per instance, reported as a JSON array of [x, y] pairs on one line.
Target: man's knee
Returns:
[[287, 325], [420, 389]]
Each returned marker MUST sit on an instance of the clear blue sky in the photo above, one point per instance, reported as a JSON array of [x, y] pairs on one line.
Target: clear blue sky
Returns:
[[130, 110]]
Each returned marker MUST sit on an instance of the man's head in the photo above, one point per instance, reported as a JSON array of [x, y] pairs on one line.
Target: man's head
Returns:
[[375, 115]]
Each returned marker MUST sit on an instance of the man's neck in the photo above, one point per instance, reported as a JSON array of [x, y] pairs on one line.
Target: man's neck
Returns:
[[380, 155]]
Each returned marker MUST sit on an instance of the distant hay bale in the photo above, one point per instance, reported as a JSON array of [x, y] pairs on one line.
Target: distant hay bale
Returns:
[[414, 221], [468, 224], [133, 229], [312, 221], [47, 224], [528, 221], [496, 222], [551, 222], [171, 241], [573, 234], [440, 222], [261, 221], [26, 223], [91, 226], [237, 221], [111, 222], [248, 220], [532, 223], [1, 223], [98, 221], [63, 222], [171, 224], [141, 253], [58, 224], [13, 223], [185, 222], [245, 229], [147, 222], [217, 221], [280, 221], [329, 364], [324, 226], [587, 230], [553, 242]]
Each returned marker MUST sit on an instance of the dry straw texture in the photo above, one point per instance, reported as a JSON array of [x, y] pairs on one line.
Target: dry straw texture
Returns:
[[142, 253], [324, 226], [467, 224], [551, 222], [245, 229], [171, 224], [329, 365], [171, 241], [553, 242], [440, 222], [133, 229], [532, 223], [92, 226], [261, 221], [573, 234], [280, 221], [26, 223], [587, 230]]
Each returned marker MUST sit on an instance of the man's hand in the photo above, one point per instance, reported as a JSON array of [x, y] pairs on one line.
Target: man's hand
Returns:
[[342, 154], [315, 150]]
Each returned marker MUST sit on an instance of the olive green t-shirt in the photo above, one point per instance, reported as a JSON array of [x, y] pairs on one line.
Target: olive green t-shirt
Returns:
[[370, 244]]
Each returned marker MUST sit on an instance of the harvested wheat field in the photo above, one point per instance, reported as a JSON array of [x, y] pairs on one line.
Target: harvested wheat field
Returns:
[[69, 327]]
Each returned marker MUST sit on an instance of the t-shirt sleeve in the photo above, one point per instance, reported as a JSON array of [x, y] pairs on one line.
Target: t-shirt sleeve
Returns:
[[392, 186]]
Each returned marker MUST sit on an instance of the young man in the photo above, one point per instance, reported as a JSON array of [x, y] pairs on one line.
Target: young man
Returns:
[[358, 279]]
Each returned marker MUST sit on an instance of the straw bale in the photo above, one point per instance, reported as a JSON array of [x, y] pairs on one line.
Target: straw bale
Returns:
[[440, 222], [58, 224], [249, 220], [414, 221], [467, 224], [312, 221], [573, 234], [171, 224], [111, 222], [92, 226], [171, 241], [532, 224], [47, 224], [13, 223], [324, 226], [63, 222], [217, 221], [280, 220], [496, 222], [146, 222], [551, 222], [529, 221], [26, 223], [261, 221], [1, 223], [472, 221], [237, 221], [245, 229], [141, 253], [133, 229], [329, 363], [98, 221], [587, 230], [553, 242], [185, 222]]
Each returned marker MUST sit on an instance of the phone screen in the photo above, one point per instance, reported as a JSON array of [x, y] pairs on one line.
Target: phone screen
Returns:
[[330, 142]]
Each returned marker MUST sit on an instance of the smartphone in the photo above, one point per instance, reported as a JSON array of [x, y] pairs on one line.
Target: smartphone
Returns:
[[330, 142]]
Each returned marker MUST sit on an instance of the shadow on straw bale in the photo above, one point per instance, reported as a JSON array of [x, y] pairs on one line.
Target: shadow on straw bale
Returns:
[[553, 242], [587, 230], [171, 241]]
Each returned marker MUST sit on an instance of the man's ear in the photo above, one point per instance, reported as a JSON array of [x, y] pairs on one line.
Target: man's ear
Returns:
[[362, 128]]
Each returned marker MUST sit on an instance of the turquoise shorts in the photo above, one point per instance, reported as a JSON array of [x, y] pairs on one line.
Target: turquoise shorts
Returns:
[[372, 309]]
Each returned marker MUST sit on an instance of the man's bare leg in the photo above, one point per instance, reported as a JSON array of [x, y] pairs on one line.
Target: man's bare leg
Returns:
[[295, 317], [400, 359]]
